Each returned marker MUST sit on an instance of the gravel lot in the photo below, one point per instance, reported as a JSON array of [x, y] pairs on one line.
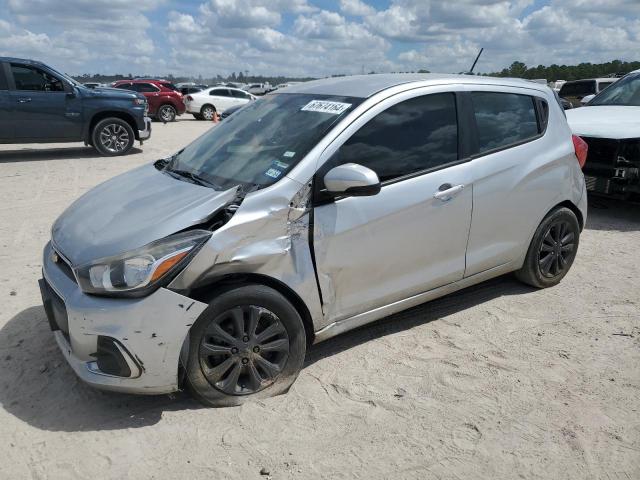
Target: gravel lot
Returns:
[[497, 381]]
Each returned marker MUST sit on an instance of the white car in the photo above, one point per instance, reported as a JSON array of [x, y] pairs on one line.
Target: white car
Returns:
[[259, 88], [610, 124], [204, 104]]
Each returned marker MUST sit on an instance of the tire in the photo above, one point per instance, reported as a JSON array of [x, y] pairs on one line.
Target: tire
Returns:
[[112, 137], [166, 113], [227, 364], [207, 112], [198, 116], [552, 250]]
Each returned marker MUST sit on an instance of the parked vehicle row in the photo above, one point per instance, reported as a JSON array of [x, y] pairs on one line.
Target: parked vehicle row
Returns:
[[41, 105], [164, 99], [205, 104], [216, 268], [579, 92]]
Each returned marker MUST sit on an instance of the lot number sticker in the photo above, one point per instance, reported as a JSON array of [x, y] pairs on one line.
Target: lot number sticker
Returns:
[[322, 106]]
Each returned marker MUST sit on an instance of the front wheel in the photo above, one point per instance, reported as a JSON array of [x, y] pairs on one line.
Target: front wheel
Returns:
[[112, 137], [249, 343], [552, 250], [207, 112]]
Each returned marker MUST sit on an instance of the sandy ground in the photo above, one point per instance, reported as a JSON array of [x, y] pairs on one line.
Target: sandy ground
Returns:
[[496, 382]]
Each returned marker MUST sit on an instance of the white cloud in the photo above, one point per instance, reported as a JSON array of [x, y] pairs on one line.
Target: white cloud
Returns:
[[356, 8], [295, 37]]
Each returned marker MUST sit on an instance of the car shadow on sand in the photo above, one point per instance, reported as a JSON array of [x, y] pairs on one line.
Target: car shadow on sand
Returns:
[[44, 154], [38, 387], [611, 214]]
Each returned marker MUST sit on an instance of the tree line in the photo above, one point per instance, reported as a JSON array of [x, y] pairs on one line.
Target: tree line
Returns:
[[567, 72]]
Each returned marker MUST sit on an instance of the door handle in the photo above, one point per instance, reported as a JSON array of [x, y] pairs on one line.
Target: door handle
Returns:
[[447, 191], [24, 100]]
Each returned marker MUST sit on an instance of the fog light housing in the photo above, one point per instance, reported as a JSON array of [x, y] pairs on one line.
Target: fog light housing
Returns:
[[113, 359]]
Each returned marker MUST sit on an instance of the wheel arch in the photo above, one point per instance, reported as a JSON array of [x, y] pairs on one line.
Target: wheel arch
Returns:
[[115, 114], [573, 207], [205, 293], [208, 104]]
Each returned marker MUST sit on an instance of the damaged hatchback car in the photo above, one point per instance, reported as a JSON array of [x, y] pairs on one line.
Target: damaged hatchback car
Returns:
[[308, 213]]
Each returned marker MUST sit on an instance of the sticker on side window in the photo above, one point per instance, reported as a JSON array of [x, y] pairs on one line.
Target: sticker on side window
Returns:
[[324, 106]]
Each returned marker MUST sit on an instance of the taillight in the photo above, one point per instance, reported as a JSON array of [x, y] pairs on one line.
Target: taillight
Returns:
[[581, 148], [190, 98]]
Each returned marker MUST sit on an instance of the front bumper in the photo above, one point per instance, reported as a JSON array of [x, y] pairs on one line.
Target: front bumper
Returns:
[[149, 331], [146, 133]]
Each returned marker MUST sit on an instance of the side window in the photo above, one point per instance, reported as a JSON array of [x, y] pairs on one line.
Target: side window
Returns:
[[239, 94], [414, 135], [27, 77], [220, 92], [503, 119], [145, 87], [3, 80], [125, 86]]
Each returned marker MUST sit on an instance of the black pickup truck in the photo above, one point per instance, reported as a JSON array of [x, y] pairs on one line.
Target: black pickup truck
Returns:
[[41, 105]]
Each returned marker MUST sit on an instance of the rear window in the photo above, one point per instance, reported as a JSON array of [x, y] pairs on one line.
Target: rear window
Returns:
[[170, 86], [504, 119], [572, 89]]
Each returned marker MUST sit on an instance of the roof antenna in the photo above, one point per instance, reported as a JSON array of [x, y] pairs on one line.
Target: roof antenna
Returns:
[[470, 72]]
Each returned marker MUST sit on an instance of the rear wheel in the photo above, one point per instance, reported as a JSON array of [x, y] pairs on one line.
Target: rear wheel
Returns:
[[249, 343], [166, 113], [112, 137], [207, 112], [552, 249]]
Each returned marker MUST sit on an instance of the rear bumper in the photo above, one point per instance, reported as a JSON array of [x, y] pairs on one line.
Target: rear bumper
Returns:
[[146, 133], [148, 333]]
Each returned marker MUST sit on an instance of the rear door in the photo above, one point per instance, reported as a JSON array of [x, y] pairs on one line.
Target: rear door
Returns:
[[6, 112], [514, 173], [44, 106], [221, 98]]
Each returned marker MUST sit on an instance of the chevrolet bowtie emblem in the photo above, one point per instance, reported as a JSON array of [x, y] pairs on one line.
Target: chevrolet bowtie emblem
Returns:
[[54, 257]]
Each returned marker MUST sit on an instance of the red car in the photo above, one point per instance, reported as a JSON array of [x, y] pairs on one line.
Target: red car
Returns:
[[165, 100]]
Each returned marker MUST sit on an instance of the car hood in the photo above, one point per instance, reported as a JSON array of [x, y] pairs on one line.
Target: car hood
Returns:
[[111, 92], [130, 211], [605, 121]]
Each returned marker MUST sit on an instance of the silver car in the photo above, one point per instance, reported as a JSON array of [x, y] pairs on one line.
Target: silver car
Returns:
[[307, 214]]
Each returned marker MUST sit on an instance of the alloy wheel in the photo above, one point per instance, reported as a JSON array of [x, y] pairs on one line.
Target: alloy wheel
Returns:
[[207, 113], [243, 350], [556, 249], [166, 114], [114, 138]]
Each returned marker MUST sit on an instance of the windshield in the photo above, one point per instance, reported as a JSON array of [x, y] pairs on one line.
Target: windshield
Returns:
[[259, 144], [625, 91]]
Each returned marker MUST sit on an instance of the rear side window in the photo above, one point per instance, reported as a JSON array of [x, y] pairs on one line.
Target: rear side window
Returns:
[[144, 87], [503, 119], [414, 135], [124, 86], [220, 92], [170, 86]]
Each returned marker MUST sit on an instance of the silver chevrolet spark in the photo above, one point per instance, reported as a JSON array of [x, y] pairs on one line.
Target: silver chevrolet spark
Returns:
[[310, 212]]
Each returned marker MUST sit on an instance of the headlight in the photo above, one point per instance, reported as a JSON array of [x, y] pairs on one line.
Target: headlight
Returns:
[[139, 101], [140, 270]]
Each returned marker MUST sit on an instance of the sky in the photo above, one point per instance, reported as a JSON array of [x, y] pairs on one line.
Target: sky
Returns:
[[315, 37]]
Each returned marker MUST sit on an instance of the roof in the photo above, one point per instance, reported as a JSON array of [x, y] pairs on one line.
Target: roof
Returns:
[[365, 86], [21, 60]]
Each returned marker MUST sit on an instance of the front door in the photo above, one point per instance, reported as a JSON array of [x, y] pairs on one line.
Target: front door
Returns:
[[6, 120], [373, 251], [43, 108]]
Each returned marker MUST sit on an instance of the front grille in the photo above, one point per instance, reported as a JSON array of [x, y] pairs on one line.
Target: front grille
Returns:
[[602, 151]]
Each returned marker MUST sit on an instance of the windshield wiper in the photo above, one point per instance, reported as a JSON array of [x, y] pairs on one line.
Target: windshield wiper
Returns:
[[193, 176]]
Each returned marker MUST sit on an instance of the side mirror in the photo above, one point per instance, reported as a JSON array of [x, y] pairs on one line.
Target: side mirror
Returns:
[[352, 180]]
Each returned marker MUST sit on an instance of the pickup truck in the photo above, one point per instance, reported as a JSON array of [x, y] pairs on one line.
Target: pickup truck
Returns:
[[41, 105]]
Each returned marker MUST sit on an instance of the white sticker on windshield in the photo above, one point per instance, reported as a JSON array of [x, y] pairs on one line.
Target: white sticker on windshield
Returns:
[[273, 173], [323, 106], [288, 154]]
